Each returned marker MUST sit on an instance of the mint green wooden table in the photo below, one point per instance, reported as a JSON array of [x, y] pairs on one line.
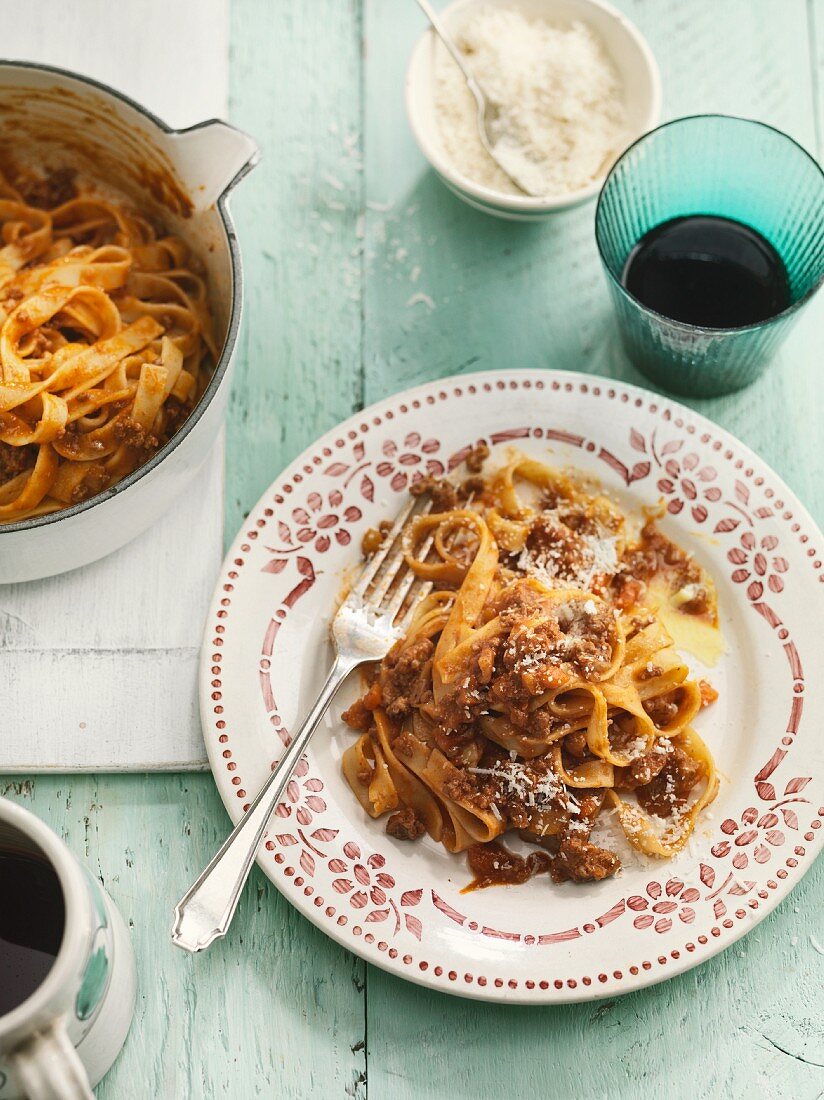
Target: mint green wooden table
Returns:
[[341, 226]]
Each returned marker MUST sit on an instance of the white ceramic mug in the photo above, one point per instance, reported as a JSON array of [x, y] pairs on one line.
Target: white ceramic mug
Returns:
[[60, 1041]]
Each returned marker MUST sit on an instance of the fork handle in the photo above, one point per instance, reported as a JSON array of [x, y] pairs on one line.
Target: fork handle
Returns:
[[205, 912]]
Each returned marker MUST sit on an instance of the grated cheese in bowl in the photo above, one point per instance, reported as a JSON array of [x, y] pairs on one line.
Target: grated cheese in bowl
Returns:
[[562, 120]]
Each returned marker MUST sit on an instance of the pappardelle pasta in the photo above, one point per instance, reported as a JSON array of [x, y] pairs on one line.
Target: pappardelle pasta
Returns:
[[538, 690], [105, 342]]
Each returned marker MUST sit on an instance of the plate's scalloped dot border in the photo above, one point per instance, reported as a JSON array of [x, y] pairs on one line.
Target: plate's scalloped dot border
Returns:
[[650, 970]]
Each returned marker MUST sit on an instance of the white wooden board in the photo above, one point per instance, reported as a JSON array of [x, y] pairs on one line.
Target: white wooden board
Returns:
[[98, 667]]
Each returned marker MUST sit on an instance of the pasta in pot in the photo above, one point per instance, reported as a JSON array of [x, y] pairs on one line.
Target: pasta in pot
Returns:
[[537, 689], [105, 343]]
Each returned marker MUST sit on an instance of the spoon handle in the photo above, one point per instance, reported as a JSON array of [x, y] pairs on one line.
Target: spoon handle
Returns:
[[449, 42]]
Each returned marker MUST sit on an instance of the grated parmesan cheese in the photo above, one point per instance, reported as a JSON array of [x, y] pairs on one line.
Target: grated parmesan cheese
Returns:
[[513, 779], [600, 558], [562, 118], [421, 299]]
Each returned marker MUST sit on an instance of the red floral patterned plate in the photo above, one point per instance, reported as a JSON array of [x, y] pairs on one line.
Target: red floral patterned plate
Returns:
[[398, 904]]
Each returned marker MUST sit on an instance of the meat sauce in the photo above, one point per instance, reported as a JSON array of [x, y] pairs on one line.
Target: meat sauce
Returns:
[[576, 859], [655, 555], [494, 865]]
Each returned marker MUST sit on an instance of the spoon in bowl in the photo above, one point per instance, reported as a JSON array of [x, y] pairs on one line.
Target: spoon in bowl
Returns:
[[488, 109]]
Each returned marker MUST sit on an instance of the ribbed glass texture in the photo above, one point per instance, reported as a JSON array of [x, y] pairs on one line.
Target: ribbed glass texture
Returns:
[[730, 167]]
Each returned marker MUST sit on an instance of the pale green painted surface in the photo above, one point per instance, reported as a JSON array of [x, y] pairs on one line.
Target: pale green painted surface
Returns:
[[277, 1010]]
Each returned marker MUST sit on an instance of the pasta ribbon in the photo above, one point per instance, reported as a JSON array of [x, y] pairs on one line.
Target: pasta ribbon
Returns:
[[106, 344]]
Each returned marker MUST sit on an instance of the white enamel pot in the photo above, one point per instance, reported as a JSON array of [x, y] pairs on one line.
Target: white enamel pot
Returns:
[[181, 177]]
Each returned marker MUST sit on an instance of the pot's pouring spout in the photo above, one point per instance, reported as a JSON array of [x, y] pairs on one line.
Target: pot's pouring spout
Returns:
[[211, 158]]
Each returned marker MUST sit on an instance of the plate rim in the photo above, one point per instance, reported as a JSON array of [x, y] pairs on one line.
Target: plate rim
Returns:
[[489, 993]]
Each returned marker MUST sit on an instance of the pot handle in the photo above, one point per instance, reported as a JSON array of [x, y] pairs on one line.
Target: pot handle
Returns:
[[49, 1068], [211, 158]]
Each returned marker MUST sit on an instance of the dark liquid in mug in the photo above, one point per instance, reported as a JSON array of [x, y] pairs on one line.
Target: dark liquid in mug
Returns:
[[708, 271], [32, 916]]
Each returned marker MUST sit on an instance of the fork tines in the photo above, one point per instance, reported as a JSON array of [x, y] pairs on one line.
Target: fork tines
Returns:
[[387, 584]]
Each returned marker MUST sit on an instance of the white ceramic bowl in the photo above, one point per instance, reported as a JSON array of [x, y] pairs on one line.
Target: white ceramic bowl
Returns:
[[181, 177], [633, 60]]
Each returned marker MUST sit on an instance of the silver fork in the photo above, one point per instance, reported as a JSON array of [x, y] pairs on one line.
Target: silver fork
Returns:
[[375, 614]]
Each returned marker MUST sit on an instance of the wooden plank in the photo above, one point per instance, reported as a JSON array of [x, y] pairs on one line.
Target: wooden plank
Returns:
[[77, 722], [146, 602], [296, 86], [172, 58], [530, 296]]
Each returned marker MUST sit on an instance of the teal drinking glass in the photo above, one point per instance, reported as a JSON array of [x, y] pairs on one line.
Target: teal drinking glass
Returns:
[[727, 167]]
